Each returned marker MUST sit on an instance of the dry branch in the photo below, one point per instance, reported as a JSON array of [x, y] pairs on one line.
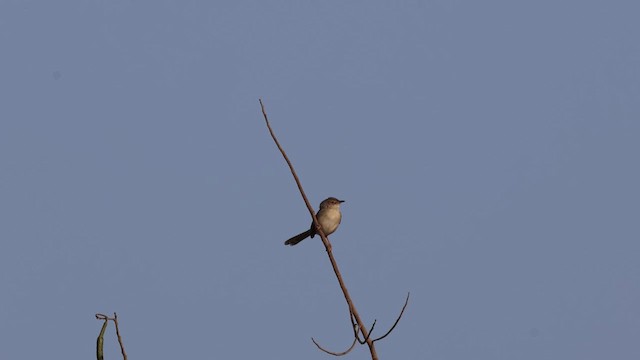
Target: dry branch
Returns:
[[104, 326], [359, 324]]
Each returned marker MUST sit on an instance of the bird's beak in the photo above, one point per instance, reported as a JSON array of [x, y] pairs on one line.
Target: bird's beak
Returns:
[[341, 201]]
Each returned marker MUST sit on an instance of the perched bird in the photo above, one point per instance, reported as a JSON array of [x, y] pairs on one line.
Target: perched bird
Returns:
[[328, 216]]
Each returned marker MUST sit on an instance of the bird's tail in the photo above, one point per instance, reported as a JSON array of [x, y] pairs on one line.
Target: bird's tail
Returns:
[[296, 239]]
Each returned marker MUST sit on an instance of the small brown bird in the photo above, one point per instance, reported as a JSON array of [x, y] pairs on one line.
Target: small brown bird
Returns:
[[328, 216]]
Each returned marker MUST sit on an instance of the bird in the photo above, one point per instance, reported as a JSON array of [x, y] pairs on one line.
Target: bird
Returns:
[[328, 216]]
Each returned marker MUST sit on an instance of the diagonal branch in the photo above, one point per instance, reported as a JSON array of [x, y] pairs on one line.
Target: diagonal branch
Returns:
[[293, 172], [115, 320], [325, 241]]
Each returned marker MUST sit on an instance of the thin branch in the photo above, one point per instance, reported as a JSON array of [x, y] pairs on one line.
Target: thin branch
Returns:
[[115, 320], [335, 353], [325, 241], [369, 334], [293, 172], [397, 320]]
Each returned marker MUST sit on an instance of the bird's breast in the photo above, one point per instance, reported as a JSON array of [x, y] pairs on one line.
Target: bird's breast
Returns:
[[329, 220]]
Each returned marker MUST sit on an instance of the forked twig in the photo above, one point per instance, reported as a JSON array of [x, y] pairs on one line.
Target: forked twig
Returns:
[[356, 332], [115, 321], [369, 334]]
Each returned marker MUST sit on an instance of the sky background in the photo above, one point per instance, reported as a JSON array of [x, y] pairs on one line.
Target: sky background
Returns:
[[487, 152]]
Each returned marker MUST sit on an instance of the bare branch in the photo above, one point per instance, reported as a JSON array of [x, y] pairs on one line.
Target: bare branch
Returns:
[[335, 353], [115, 320], [325, 240], [406, 302], [358, 325], [293, 172]]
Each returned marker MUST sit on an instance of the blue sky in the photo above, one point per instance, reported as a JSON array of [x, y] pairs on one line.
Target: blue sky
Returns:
[[487, 152]]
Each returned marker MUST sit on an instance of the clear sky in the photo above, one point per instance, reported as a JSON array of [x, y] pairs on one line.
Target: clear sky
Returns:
[[487, 152]]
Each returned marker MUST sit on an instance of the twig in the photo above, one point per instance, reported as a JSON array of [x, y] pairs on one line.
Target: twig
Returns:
[[356, 337], [335, 353], [369, 334], [124, 353], [397, 320]]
